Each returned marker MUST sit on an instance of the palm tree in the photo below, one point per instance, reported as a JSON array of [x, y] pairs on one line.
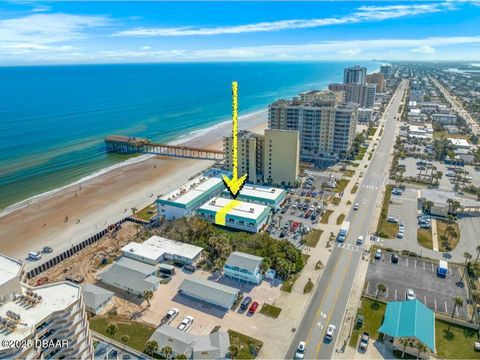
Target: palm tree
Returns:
[[421, 348], [467, 257], [167, 352], [404, 342], [457, 302], [124, 339], [233, 351], [381, 288], [151, 347], [147, 295], [477, 249], [112, 330], [181, 357]]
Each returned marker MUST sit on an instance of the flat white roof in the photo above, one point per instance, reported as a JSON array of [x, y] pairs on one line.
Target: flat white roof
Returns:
[[156, 246], [242, 209], [459, 142], [9, 269], [191, 190], [268, 193], [55, 297]]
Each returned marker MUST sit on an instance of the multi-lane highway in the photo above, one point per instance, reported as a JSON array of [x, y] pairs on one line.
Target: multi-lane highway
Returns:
[[332, 292]]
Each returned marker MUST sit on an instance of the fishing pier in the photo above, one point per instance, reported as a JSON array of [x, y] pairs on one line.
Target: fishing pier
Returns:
[[135, 145]]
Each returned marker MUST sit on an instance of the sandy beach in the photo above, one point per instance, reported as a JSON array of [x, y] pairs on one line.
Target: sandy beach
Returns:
[[109, 197]]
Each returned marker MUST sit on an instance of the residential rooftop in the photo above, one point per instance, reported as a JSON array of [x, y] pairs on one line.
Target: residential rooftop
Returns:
[[243, 260], [191, 190], [241, 209], [261, 192]]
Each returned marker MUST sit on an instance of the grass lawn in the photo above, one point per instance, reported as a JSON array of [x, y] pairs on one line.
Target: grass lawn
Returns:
[[270, 310], [354, 189], [373, 313], [384, 228], [444, 134], [325, 216], [340, 219], [341, 185], [248, 347], [424, 238], [308, 286], [447, 242], [138, 332], [371, 131], [288, 284], [349, 173], [147, 213], [456, 343], [361, 153], [305, 258], [312, 238], [355, 164]]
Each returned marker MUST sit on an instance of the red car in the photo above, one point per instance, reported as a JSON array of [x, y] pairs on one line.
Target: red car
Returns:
[[253, 308]]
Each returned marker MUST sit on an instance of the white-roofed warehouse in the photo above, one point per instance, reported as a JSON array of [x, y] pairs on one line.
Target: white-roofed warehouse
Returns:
[[209, 291]]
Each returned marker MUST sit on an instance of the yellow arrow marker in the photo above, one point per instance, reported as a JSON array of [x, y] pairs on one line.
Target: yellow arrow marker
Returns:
[[234, 184]]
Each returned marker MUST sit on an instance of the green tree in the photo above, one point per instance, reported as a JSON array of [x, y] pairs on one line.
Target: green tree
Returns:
[[166, 352], [457, 302], [112, 329], [151, 347], [421, 348], [124, 339], [181, 357], [233, 351], [147, 295], [381, 288], [404, 342], [467, 257]]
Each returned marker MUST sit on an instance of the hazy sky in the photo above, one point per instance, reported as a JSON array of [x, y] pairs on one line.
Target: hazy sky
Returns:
[[34, 32]]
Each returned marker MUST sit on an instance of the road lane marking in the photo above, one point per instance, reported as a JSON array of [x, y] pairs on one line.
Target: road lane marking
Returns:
[[333, 305]]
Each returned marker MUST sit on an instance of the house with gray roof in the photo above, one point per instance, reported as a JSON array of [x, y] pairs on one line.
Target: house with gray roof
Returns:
[[212, 346], [96, 299], [209, 291], [133, 276], [244, 267]]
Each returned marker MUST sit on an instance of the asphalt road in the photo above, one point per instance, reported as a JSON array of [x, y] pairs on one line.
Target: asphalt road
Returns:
[[331, 295]]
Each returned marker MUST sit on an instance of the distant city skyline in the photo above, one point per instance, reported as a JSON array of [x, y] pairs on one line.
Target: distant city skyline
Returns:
[[123, 32]]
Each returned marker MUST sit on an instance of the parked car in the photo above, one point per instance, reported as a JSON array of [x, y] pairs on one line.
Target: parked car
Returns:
[[47, 249], [186, 323], [33, 255], [400, 235], [364, 341], [330, 332], [77, 279], [189, 268], [300, 353], [392, 219], [245, 303], [169, 316], [410, 294], [356, 206], [253, 308], [378, 254], [395, 258]]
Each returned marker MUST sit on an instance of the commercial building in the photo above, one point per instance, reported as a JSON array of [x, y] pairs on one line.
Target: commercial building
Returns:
[[377, 79], [361, 94], [412, 320], [96, 299], [439, 200], [186, 199], [420, 132], [52, 313], [460, 143], [235, 214], [212, 346], [244, 267], [209, 291], [132, 276], [444, 119], [323, 126], [272, 158], [262, 195], [157, 249], [355, 75], [386, 70]]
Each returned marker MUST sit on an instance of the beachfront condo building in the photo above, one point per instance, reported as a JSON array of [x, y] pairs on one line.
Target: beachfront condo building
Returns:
[[355, 75], [386, 70], [235, 214], [378, 79], [272, 158], [326, 129], [45, 322], [184, 200]]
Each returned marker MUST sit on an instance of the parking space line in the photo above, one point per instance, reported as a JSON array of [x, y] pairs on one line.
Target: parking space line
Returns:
[[435, 301], [456, 310], [433, 269], [424, 265], [407, 262], [368, 284], [386, 293], [395, 294], [425, 300], [446, 309]]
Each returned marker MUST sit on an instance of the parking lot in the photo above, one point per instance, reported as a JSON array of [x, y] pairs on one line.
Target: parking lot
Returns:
[[420, 275], [404, 208]]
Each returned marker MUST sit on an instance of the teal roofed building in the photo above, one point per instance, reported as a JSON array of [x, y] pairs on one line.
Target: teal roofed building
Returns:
[[412, 320]]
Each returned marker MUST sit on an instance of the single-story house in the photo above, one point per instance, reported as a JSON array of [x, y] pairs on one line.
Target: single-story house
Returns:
[[412, 320], [211, 346], [95, 298], [209, 291], [242, 266], [131, 275]]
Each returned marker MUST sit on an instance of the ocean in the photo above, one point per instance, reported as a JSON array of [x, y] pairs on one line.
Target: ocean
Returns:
[[53, 119]]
